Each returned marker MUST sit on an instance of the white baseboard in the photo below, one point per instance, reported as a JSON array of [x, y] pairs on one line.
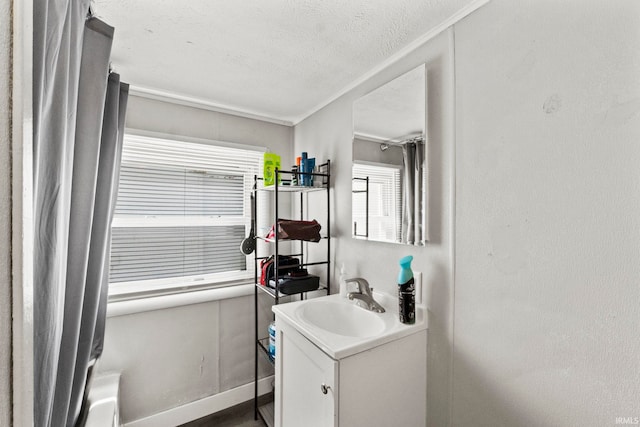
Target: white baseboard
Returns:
[[203, 407]]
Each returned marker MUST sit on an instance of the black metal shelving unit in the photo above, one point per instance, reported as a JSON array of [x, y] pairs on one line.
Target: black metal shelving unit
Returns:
[[266, 412], [366, 207]]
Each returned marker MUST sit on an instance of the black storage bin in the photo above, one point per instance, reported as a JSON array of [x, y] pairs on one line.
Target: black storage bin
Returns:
[[295, 285]]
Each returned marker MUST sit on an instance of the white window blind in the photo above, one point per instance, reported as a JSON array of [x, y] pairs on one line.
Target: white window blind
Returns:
[[182, 211], [384, 201]]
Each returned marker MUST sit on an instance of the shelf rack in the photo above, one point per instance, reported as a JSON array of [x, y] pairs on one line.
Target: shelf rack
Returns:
[[366, 209], [266, 412]]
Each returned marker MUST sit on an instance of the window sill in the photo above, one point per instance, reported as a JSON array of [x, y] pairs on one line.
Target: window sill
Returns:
[[151, 303]]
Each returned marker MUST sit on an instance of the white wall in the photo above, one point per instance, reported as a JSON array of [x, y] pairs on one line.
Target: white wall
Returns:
[[171, 357], [547, 231], [369, 151], [328, 134], [547, 294], [178, 355], [5, 213]]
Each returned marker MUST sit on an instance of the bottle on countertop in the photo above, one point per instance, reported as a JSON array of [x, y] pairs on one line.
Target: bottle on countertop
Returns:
[[406, 292]]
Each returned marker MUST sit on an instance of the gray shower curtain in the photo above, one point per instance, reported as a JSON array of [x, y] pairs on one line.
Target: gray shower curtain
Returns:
[[412, 200], [78, 122]]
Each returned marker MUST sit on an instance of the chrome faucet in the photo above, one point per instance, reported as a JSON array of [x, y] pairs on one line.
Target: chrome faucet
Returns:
[[364, 295]]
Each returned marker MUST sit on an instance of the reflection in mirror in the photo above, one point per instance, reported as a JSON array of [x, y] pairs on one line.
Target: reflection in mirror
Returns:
[[389, 149]]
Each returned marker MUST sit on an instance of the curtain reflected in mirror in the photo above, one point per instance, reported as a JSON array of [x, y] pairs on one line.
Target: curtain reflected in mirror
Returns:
[[412, 208], [389, 157]]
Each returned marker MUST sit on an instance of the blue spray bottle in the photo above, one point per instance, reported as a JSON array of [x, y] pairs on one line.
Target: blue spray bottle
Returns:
[[406, 292]]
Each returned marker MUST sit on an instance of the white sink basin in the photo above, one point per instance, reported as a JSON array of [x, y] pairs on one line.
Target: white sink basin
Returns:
[[340, 328], [341, 318]]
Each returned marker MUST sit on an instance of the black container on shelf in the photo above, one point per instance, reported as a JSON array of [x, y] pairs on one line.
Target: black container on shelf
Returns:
[[295, 285]]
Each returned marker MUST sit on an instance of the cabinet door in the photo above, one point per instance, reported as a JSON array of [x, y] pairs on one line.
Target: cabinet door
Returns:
[[306, 383], [385, 385]]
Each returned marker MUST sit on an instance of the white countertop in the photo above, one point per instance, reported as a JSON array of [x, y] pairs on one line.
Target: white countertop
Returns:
[[340, 346]]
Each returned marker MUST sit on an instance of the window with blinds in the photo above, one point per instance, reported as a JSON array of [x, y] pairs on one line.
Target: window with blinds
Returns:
[[385, 209], [183, 209]]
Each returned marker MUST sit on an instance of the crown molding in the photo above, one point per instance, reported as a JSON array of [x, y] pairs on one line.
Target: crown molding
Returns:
[[378, 139], [368, 137], [190, 101]]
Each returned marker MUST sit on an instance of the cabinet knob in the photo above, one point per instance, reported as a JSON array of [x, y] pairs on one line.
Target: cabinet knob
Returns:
[[324, 388]]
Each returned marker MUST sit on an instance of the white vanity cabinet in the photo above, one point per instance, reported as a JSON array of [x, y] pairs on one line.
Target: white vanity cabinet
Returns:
[[380, 386], [302, 369]]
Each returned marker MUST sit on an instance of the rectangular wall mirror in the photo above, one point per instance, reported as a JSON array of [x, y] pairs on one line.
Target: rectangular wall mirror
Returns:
[[389, 178]]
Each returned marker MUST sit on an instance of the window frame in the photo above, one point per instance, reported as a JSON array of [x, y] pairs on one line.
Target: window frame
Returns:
[[394, 200], [168, 285]]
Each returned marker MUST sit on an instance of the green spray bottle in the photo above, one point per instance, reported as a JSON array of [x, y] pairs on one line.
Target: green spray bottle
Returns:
[[406, 292]]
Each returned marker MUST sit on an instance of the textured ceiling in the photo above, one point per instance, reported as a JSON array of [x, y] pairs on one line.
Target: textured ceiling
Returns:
[[394, 111], [280, 59]]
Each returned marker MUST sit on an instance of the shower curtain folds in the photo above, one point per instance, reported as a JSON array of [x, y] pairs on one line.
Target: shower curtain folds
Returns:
[[413, 154], [78, 122]]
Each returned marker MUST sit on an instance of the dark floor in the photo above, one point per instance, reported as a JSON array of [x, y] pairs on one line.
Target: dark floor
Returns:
[[237, 416]]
